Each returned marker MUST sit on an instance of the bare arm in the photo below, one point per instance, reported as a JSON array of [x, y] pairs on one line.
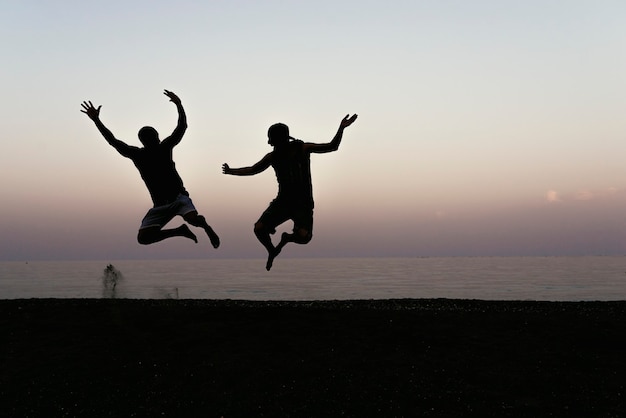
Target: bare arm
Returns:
[[249, 171], [334, 144], [94, 114], [176, 136]]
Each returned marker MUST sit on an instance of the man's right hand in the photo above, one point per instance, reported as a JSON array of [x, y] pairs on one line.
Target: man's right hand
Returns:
[[90, 110]]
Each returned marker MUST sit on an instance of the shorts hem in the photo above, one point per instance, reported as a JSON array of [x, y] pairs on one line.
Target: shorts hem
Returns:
[[149, 226]]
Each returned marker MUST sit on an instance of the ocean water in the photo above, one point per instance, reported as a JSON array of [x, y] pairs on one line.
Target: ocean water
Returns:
[[486, 278]]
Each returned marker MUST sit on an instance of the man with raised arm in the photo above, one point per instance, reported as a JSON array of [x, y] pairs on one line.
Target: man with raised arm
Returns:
[[291, 162], [158, 171]]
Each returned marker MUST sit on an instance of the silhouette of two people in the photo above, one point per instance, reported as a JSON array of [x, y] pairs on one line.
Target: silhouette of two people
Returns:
[[290, 160], [157, 169]]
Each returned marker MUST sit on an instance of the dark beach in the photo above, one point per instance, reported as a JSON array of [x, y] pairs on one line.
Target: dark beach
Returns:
[[383, 358]]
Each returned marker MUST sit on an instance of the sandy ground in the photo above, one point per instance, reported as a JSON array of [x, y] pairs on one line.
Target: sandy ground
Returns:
[[385, 358]]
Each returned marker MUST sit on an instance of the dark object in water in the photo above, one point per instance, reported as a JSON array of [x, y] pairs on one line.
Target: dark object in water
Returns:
[[110, 279]]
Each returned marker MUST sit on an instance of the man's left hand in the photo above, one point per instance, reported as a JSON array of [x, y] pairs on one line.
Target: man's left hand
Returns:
[[173, 97], [348, 120]]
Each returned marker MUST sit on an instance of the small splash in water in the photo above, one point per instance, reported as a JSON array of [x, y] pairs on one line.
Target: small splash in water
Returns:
[[111, 278]]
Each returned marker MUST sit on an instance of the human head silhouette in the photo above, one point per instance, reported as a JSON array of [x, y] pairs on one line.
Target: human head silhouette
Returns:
[[148, 136], [278, 134]]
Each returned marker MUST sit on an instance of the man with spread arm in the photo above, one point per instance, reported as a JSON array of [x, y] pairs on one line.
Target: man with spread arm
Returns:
[[158, 171], [291, 162]]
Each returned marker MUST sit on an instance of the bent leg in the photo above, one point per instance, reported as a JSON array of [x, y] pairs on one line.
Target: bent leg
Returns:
[[276, 213], [151, 229], [200, 221], [302, 228], [300, 236], [263, 235], [152, 234]]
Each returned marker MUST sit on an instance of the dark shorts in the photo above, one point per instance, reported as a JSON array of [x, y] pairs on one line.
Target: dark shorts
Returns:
[[280, 211]]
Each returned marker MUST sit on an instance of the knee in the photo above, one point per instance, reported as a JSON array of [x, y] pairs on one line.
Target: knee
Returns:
[[148, 235], [143, 237], [302, 236], [262, 229], [259, 228]]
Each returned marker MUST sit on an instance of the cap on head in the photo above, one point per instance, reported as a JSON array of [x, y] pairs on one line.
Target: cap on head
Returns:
[[278, 134], [148, 136]]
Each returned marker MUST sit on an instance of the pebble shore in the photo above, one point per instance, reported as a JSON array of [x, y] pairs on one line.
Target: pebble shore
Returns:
[[384, 358]]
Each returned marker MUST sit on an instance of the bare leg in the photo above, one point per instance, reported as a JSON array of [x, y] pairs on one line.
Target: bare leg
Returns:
[[198, 220], [263, 235], [301, 236], [154, 234], [285, 238]]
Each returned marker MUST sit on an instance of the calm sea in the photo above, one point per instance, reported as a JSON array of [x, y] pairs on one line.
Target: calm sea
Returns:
[[487, 278]]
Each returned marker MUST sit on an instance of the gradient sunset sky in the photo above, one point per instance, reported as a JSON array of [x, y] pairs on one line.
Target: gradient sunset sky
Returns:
[[485, 128]]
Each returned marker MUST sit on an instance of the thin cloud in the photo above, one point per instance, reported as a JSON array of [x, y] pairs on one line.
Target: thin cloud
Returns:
[[584, 195], [596, 194], [581, 195], [552, 196]]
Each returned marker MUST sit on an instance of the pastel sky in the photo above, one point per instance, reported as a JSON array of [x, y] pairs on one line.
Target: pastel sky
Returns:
[[485, 128]]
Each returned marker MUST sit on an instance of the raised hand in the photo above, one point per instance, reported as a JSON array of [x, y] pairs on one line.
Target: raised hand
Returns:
[[90, 110], [347, 121], [173, 97]]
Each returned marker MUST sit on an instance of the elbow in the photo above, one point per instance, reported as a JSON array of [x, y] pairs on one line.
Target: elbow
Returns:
[[334, 144], [181, 128]]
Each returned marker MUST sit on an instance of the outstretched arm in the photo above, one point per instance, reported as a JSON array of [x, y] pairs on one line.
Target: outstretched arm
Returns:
[[249, 171], [94, 114], [334, 144], [181, 126]]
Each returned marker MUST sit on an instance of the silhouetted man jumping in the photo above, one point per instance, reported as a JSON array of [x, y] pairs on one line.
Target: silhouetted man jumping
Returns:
[[291, 162], [158, 171]]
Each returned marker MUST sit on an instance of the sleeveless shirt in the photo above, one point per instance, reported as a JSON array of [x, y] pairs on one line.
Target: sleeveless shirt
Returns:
[[293, 172]]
